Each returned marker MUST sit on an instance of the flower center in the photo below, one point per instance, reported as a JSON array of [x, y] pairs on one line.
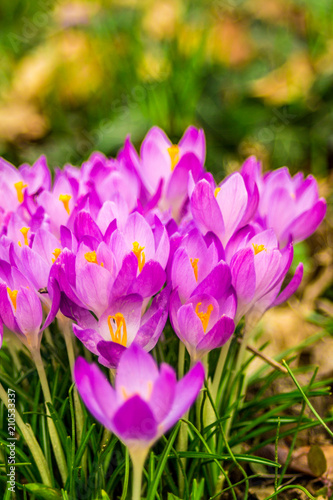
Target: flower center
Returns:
[[92, 257], [174, 155], [24, 231], [12, 295], [194, 264], [204, 317], [19, 186], [120, 335], [216, 191], [56, 253], [140, 255], [65, 198], [258, 248]]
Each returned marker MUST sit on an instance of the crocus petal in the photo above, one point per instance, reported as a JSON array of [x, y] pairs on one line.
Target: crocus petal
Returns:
[[182, 274], [186, 392], [243, 274], [194, 140], [150, 280], [216, 283], [110, 353], [140, 379], [163, 392], [125, 276], [304, 225], [291, 287], [88, 337], [232, 199], [190, 327], [84, 225], [218, 335], [135, 421], [96, 392], [205, 210]]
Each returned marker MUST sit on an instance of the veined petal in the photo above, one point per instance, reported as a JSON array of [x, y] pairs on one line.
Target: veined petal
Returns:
[[96, 392], [187, 391]]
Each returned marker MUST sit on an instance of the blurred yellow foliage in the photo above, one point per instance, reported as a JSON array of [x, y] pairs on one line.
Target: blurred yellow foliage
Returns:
[[162, 18], [21, 120], [229, 42], [288, 83]]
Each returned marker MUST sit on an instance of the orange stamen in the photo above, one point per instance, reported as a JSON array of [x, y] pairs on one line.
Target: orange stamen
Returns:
[[120, 335], [204, 317], [140, 255], [12, 295], [19, 186], [65, 198], [174, 155], [24, 231], [258, 248], [216, 191], [56, 253], [194, 264]]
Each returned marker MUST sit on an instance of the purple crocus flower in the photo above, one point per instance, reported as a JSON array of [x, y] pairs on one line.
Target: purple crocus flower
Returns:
[[164, 167], [258, 268], [226, 208], [145, 403], [20, 306], [196, 267], [124, 322], [19, 184], [203, 323], [289, 205]]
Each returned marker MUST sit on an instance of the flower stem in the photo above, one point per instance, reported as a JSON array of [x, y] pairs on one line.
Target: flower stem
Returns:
[[138, 457], [31, 441], [57, 448], [219, 370], [79, 418]]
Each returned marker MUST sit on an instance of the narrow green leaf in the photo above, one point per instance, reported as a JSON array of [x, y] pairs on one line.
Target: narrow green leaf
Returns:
[[161, 463], [44, 492]]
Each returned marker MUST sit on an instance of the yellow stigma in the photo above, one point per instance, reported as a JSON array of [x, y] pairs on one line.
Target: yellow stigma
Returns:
[[258, 248], [204, 317], [65, 198], [56, 253], [216, 191], [120, 335], [174, 155], [24, 231], [140, 255], [194, 264], [19, 186], [92, 257], [12, 295]]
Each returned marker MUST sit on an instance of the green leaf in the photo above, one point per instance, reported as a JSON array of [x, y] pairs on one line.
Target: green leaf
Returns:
[[162, 462], [317, 461], [197, 489], [44, 492], [104, 496], [171, 496]]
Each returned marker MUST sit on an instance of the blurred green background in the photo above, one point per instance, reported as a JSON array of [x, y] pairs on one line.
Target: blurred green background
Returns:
[[256, 75]]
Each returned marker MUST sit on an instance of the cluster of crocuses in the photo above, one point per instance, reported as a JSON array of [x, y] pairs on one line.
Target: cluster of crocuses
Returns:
[[120, 244]]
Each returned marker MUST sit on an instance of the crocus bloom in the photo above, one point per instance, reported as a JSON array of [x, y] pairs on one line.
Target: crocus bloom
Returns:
[[195, 266], [164, 167], [203, 323], [225, 209], [21, 310], [289, 205], [145, 403], [258, 268], [124, 322]]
